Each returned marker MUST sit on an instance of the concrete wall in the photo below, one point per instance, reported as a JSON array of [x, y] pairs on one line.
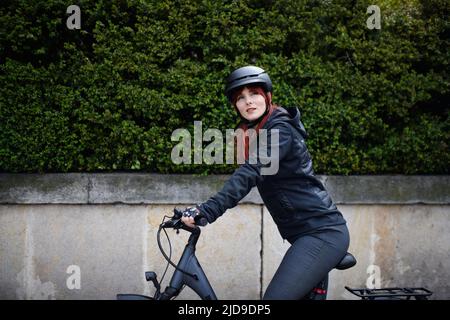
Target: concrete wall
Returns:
[[54, 227]]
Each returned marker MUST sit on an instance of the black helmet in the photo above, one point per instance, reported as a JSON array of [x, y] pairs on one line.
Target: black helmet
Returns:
[[247, 75]]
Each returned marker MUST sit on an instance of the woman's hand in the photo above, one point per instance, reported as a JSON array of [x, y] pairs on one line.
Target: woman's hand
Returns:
[[189, 221], [192, 217]]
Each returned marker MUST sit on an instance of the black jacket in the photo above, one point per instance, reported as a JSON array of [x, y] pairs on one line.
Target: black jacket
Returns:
[[296, 199]]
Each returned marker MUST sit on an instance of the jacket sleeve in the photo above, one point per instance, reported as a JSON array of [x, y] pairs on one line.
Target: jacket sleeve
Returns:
[[249, 174]]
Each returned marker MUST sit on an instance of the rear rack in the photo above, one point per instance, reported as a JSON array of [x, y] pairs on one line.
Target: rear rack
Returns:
[[391, 293]]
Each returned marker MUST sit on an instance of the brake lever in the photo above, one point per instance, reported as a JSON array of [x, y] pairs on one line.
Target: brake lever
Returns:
[[172, 223]]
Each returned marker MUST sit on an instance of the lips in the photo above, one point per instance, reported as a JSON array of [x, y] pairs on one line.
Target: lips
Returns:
[[251, 109]]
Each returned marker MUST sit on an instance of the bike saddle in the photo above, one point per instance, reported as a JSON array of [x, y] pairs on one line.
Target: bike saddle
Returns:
[[347, 262]]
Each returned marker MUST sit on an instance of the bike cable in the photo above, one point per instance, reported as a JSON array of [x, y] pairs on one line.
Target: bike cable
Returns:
[[168, 258], [170, 255]]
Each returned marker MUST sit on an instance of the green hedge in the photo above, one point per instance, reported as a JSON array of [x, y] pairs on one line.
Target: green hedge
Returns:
[[108, 97]]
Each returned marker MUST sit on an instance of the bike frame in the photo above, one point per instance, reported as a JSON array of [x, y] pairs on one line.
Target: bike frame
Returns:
[[188, 271], [189, 263]]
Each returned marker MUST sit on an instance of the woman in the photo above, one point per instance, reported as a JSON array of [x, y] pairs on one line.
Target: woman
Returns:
[[298, 202]]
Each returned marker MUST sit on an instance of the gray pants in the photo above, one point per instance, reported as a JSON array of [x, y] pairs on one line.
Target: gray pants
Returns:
[[307, 262]]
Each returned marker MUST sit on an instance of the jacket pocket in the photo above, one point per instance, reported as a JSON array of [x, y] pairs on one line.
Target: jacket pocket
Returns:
[[285, 208], [285, 203]]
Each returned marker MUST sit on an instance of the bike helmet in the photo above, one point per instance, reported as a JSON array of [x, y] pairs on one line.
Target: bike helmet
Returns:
[[245, 76]]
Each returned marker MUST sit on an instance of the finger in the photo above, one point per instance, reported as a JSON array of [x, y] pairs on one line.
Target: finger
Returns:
[[189, 221], [186, 222]]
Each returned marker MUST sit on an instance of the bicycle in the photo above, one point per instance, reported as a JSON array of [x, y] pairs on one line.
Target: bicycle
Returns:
[[188, 271]]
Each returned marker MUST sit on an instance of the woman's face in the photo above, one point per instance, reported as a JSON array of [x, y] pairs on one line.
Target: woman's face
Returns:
[[251, 104]]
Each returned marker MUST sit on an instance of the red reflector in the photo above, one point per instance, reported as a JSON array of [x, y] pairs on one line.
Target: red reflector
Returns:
[[320, 291]]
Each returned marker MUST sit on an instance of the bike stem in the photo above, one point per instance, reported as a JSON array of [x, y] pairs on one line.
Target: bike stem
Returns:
[[193, 238]]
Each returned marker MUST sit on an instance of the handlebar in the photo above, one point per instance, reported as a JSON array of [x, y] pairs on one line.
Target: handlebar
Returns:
[[176, 223]]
